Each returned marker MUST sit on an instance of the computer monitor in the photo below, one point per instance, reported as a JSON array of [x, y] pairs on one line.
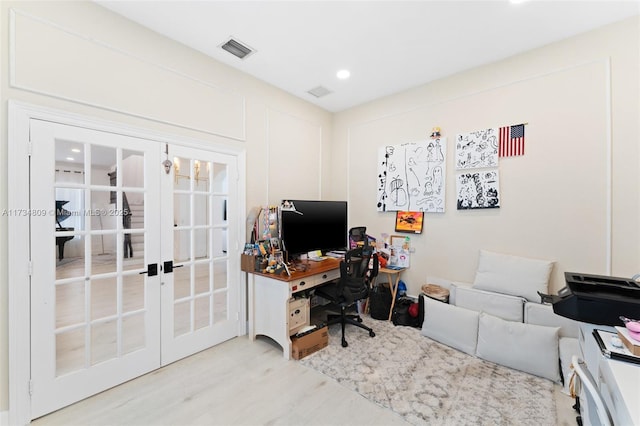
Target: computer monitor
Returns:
[[313, 225]]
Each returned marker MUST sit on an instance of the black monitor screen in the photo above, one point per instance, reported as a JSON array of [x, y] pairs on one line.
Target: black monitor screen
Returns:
[[314, 225]]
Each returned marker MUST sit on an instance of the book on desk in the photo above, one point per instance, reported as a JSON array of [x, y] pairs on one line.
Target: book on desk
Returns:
[[319, 258], [336, 254], [394, 267], [609, 350], [316, 256]]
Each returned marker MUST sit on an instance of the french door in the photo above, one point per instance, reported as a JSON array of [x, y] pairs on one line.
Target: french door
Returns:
[[129, 258], [199, 304]]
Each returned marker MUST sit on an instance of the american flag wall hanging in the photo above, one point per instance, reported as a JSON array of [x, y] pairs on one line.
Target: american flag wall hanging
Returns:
[[511, 141]]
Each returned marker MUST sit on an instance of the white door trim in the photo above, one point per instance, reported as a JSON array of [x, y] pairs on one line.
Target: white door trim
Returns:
[[19, 116]]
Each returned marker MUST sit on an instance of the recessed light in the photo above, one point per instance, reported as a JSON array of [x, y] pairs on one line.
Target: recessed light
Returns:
[[70, 159], [75, 150], [343, 74]]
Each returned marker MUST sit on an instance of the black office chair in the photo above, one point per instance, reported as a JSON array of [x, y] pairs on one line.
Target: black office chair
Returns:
[[358, 234], [353, 285]]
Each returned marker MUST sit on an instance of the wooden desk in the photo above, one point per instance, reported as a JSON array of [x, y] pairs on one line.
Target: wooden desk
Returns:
[[269, 296], [393, 276]]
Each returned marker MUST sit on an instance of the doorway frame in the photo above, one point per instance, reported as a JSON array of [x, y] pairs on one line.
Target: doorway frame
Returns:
[[19, 269]]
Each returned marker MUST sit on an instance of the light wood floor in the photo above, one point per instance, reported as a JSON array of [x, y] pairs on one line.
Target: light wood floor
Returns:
[[236, 383]]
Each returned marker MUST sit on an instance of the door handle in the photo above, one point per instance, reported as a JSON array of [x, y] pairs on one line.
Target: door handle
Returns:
[[169, 266], [152, 270]]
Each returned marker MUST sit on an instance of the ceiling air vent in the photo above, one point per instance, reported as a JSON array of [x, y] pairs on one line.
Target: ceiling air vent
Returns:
[[319, 91], [237, 49]]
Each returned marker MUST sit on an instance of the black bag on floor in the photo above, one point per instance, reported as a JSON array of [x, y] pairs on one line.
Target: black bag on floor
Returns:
[[380, 302], [402, 313]]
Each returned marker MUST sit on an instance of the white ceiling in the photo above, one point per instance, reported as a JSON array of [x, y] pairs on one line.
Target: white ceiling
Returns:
[[388, 46]]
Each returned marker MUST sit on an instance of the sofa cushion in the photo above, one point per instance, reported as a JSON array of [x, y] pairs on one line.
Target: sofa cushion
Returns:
[[450, 325], [514, 275], [568, 347], [539, 314], [525, 347], [500, 305]]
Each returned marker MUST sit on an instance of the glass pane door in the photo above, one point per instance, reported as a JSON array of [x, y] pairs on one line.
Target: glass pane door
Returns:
[[130, 264], [90, 249], [201, 292], [95, 256]]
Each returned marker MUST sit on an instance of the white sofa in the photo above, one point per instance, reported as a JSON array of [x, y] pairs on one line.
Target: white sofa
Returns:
[[499, 318]]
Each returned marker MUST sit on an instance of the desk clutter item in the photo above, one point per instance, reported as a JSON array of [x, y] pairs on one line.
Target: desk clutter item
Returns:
[[309, 343], [399, 252], [262, 256], [436, 292], [316, 256], [337, 254], [406, 311], [629, 341], [402, 289], [380, 301], [248, 262], [632, 328], [603, 339]]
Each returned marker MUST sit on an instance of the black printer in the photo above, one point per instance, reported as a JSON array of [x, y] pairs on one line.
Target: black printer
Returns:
[[596, 299]]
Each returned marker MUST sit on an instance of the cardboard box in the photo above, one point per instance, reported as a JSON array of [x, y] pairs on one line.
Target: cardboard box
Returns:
[[309, 343], [630, 343]]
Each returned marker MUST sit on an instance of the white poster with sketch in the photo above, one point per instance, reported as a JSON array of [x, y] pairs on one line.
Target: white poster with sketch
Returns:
[[478, 190], [411, 176], [475, 150]]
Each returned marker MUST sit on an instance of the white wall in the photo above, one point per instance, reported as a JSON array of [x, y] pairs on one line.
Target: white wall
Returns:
[[78, 57], [572, 198]]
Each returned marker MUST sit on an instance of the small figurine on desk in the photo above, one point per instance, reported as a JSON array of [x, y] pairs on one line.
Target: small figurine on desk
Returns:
[[435, 133], [279, 269]]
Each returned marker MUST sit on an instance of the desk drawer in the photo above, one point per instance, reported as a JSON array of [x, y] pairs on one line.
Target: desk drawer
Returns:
[[313, 281], [613, 394], [298, 314], [302, 284], [328, 276]]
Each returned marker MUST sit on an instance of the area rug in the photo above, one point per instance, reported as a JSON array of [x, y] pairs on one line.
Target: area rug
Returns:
[[426, 382]]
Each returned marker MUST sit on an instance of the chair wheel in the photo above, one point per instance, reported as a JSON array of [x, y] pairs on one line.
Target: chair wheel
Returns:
[[372, 334], [344, 344]]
